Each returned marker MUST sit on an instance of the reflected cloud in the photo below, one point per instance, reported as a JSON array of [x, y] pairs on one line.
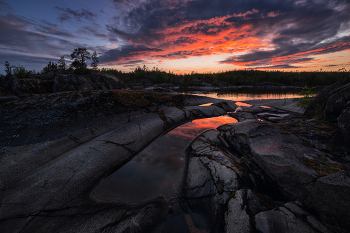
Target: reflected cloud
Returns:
[[159, 168]]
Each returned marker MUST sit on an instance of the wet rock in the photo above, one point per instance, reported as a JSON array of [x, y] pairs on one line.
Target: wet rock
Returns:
[[226, 106], [4, 99], [297, 169], [281, 220], [58, 82], [255, 203], [337, 102], [333, 191], [242, 116], [295, 208], [237, 219], [210, 177], [333, 103], [204, 111], [255, 109], [275, 153], [344, 124], [51, 159], [94, 81], [322, 98]]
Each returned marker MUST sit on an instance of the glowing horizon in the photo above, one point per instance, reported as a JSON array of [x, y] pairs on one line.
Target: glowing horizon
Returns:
[[180, 35]]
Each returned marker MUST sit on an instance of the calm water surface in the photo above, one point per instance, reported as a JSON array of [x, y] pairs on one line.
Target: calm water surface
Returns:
[[158, 169], [250, 93]]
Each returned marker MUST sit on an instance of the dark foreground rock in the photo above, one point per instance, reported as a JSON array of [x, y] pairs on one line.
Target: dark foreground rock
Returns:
[[262, 175], [57, 82], [55, 149], [333, 104]]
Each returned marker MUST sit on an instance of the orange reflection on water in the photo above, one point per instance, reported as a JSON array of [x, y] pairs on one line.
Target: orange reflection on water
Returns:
[[208, 104], [242, 104], [158, 169], [192, 129], [250, 96]]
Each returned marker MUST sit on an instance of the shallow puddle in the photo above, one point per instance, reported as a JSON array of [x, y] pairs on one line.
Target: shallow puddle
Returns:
[[208, 104], [158, 169]]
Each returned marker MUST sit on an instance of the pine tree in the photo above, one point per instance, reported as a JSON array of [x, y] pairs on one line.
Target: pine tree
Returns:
[[50, 67], [80, 55], [62, 63], [7, 68], [95, 61]]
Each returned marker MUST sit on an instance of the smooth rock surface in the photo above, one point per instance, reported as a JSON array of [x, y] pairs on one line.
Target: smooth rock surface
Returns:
[[236, 218], [51, 161]]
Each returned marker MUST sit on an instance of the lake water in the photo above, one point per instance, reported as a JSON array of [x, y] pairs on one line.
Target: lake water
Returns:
[[248, 93], [157, 170]]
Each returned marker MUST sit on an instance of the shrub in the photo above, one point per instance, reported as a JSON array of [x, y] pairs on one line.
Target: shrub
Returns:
[[50, 67], [19, 71], [308, 97]]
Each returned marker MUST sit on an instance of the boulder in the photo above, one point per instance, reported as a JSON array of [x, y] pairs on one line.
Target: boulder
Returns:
[[300, 172], [237, 219], [211, 177], [58, 82], [57, 147], [344, 124], [281, 220], [337, 102], [291, 217], [333, 99]]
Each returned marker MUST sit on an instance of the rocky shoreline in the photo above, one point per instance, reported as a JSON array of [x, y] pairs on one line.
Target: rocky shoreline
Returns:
[[274, 171], [51, 162], [267, 176]]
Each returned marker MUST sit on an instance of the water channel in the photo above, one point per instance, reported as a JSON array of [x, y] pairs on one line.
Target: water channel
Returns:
[[158, 169]]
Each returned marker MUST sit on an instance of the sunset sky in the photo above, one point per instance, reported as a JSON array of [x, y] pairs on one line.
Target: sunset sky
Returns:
[[179, 35]]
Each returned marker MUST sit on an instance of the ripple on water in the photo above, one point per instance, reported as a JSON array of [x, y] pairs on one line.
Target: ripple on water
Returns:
[[158, 169]]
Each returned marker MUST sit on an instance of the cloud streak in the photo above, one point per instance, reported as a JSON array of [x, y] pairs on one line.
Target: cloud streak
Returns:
[[67, 14], [245, 33], [270, 33]]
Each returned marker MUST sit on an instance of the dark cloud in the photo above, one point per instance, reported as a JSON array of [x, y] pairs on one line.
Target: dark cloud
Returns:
[[267, 33], [126, 53], [32, 42], [132, 63], [18, 59], [205, 28], [94, 30], [67, 14], [277, 67], [291, 54], [296, 27], [331, 65], [310, 30], [4, 6], [185, 40]]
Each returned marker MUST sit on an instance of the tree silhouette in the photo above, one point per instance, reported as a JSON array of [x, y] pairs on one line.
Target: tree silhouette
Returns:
[[50, 67], [95, 61], [7, 68], [62, 63], [80, 55]]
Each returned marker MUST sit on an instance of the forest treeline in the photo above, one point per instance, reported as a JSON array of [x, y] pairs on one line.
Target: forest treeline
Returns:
[[141, 75], [232, 77]]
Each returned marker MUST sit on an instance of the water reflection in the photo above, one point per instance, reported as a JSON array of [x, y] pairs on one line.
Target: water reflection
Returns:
[[244, 94], [251, 93], [158, 169]]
